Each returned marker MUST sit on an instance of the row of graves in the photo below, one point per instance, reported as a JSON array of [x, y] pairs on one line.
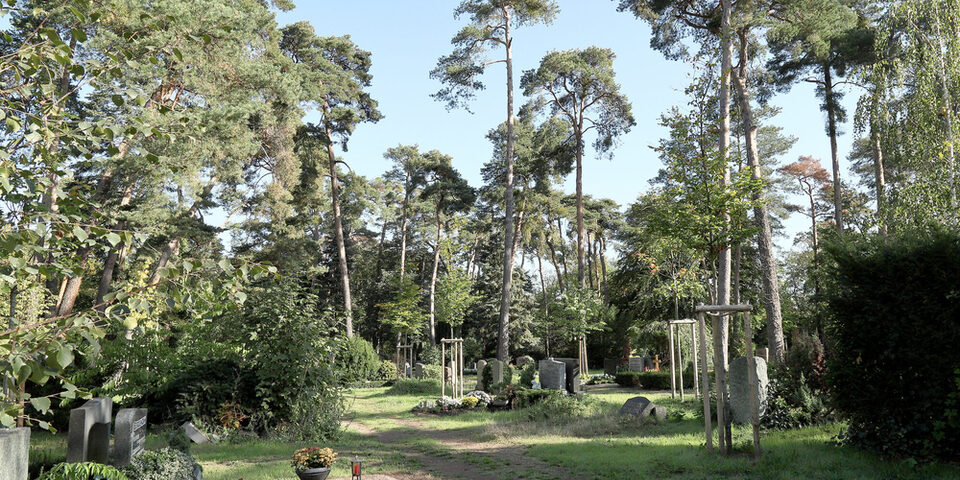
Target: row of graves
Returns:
[[88, 438]]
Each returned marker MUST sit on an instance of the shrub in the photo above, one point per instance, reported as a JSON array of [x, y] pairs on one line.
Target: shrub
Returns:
[[529, 397], [508, 372], [487, 376], [792, 402], [387, 371], [651, 380], [430, 355], [164, 464], [357, 360], [894, 306], [415, 387], [470, 402], [83, 471], [483, 398], [556, 407], [527, 374], [433, 371]]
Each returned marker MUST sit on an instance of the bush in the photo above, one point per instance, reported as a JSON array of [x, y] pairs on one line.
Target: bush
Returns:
[[357, 360], [487, 377], [652, 380], [557, 407], [433, 371], [164, 464], [387, 371], [430, 355], [894, 306], [415, 387], [83, 471], [528, 397], [527, 374], [792, 402]]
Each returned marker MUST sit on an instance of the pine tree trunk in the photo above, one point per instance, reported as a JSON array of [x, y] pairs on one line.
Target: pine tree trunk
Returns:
[[433, 281], [771, 285], [503, 327], [403, 226], [581, 231], [589, 255], [831, 107], [723, 269], [338, 230], [553, 253], [603, 267], [110, 264]]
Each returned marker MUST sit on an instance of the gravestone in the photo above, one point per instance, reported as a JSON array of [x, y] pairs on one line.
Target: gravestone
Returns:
[[130, 436], [88, 437], [480, 366], [194, 433], [553, 374], [407, 370], [763, 353], [14, 453], [640, 364], [610, 366], [573, 384], [740, 389], [496, 371], [644, 409], [447, 374], [419, 371]]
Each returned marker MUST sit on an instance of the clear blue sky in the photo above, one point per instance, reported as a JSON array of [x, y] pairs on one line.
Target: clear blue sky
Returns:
[[407, 38]]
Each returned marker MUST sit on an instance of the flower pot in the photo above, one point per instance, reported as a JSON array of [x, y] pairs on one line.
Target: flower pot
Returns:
[[313, 473]]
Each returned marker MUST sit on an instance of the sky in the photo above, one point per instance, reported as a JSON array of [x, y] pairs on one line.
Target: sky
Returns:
[[407, 38]]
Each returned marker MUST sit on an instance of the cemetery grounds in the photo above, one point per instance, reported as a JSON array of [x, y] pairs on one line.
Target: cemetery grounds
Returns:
[[598, 444]]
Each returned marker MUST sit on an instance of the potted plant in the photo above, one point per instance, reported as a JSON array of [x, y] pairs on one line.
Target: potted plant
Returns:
[[313, 463]]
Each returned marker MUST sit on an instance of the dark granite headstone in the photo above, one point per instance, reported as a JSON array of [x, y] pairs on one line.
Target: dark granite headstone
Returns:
[[573, 374], [130, 437], [88, 437], [553, 374], [644, 409]]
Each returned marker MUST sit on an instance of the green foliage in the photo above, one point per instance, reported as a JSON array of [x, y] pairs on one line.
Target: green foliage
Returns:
[[404, 313], [580, 311], [387, 370], [178, 440], [508, 375], [487, 377], [651, 380], [357, 360], [527, 374], [454, 297], [528, 397], [415, 387], [85, 471], [163, 464], [430, 355], [792, 402], [893, 303], [557, 407]]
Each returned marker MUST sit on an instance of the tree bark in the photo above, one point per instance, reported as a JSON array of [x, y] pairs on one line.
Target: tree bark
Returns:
[[546, 306], [433, 281], [503, 327], [338, 229], [403, 226], [589, 255], [771, 285], [553, 253], [879, 179], [723, 268], [603, 268], [581, 231], [831, 107], [110, 264]]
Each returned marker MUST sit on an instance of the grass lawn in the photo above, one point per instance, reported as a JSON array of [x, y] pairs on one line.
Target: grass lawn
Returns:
[[596, 445]]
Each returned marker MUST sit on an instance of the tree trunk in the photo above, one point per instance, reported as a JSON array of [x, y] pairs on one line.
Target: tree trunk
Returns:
[[581, 231], [737, 260], [563, 254], [503, 327], [403, 226], [879, 179], [771, 286], [816, 237], [546, 306], [433, 282], [947, 120], [173, 244], [723, 269], [831, 107], [603, 268], [589, 255], [338, 229], [553, 253]]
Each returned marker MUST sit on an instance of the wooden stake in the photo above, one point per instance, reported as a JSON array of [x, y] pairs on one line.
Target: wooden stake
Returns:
[[720, 382], [696, 374], [443, 362], [705, 386], [680, 360], [673, 369]]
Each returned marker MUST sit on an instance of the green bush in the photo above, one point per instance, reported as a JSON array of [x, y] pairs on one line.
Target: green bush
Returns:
[[164, 464], [792, 402], [433, 371], [557, 407], [527, 374], [529, 397], [894, 304], [387, 371], [487, 377], [83, 471], [508, 375], [357, 360], [415, 387], [651, 380], [430, 355]]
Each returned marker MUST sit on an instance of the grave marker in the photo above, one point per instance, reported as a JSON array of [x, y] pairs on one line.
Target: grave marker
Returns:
[[88, 437]]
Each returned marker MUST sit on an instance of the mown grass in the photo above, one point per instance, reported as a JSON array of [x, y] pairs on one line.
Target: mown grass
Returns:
[[597, 445]]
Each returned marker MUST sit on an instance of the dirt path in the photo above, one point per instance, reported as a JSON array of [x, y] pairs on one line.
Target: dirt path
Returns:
[[454, 454]]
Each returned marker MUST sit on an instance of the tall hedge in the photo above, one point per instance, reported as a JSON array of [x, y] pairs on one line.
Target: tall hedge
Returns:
[[895, 304], [357, 360]]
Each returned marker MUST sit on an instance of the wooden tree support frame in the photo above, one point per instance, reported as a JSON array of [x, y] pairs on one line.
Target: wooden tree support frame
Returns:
[[456, 366], [404, 357], [677, 360], [717, 311]]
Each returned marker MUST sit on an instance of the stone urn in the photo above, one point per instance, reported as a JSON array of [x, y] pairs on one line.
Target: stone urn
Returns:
[[314, 473]]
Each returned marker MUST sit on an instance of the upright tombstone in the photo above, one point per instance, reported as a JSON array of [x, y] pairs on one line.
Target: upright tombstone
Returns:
[[88, 438], [740, 388], [553, 374], [14, 453], [496, 371], [419, 370], [763, 353], [572, 373], [481, 364], [130, 436], [610, 366]]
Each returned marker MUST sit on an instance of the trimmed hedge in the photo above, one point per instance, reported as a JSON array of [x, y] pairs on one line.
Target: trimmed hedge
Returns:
[[894, 365], [652, 380]]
